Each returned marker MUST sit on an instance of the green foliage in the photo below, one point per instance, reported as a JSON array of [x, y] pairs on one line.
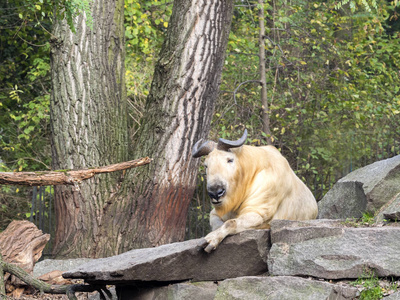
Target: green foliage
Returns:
[[43, 11], [24, 100], [12, 207], [358, 4], [25, 28], [368, 218], [372, 293], [145, 25], [370, 287]]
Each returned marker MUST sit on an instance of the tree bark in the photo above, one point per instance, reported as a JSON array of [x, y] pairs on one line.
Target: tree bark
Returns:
[[108, 216], [68, 177], [89, 123], [178, 113]]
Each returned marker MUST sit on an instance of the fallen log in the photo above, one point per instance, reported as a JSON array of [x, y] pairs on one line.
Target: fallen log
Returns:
[[67, 177]]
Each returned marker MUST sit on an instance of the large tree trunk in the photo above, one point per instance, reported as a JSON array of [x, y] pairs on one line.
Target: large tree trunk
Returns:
[[89, 122], [149, 208], [178, 113]]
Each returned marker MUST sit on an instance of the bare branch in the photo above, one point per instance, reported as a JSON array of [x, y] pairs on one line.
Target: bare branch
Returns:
[[70, 177]]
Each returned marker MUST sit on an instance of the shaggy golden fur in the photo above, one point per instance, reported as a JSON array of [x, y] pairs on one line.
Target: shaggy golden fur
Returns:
[[260, 187]]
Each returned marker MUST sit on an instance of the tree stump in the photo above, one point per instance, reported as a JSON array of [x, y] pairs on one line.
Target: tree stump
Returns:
[[22, 244]]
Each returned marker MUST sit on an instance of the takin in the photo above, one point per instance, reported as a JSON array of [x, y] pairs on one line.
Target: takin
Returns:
[[249, 187]]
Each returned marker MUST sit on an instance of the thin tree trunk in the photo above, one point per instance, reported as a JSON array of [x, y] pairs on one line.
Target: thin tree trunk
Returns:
[[2, 282], [264, 98]]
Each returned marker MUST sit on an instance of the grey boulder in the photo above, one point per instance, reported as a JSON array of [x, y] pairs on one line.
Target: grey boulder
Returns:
[[375, 184]]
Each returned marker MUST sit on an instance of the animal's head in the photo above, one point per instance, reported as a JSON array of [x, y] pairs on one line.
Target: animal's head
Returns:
[[221, 166]]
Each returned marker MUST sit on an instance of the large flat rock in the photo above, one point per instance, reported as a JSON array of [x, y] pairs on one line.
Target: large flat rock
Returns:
[[243, 254], [282, 288], [331, 250]]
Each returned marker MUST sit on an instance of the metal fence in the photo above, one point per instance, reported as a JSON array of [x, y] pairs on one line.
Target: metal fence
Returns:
[[42, 213], [198, 220]]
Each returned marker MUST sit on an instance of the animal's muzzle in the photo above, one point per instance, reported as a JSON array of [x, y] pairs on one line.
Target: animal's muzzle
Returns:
[[216, 192]]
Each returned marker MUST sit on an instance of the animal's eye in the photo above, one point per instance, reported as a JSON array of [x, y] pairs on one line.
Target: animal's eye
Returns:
[[230, 160]]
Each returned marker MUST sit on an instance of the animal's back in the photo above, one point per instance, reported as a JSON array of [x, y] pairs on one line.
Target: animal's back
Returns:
[[294, 199]]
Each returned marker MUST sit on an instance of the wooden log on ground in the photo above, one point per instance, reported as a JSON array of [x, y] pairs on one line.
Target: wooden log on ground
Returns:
[[68, 177], [21, 244]]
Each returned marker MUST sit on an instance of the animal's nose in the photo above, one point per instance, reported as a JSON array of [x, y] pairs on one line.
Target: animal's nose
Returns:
[[216, 192]]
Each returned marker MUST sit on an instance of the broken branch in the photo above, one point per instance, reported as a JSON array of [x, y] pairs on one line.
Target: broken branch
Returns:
[[69, 177]]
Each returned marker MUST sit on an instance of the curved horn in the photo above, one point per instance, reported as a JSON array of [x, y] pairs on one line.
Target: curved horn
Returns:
[[201, 149], [225, 145]]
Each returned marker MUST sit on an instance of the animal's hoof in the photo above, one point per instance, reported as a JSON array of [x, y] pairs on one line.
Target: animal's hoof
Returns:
[[202, 244], [209, 248], [205, 245]]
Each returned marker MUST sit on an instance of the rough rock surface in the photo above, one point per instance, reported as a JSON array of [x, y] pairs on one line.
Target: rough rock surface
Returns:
[[282, 288], [394, 296], [244, 288], [186, 290], [324, 250], [48, 265], [344, 200], [391, 211], [239, 255], [380, 183]]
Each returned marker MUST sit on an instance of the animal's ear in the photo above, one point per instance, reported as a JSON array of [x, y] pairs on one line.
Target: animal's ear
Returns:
[[202, 149], [225, 145]]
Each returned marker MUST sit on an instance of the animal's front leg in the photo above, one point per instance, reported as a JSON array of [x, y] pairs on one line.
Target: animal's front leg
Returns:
[[244, 222], [215, 221]]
